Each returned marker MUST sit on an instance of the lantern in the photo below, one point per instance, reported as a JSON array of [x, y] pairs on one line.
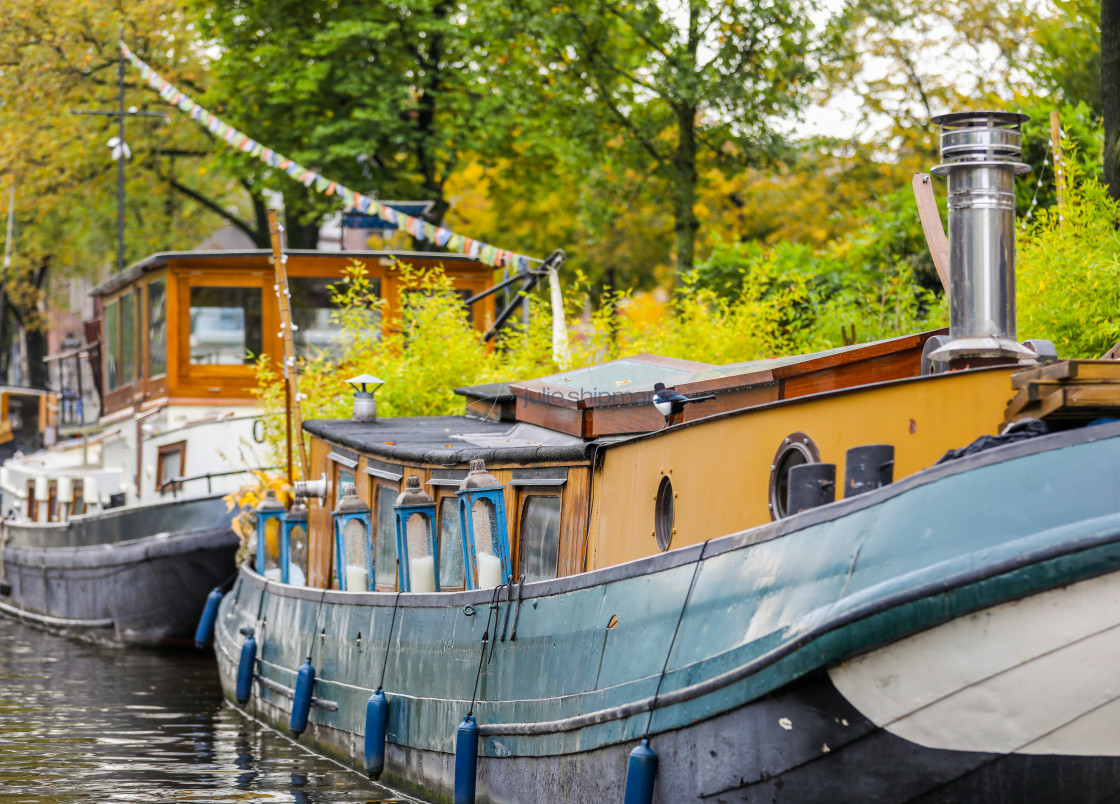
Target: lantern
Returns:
[[352, 548], [293, 549], [270, 516], [482, 516], [418, 569]]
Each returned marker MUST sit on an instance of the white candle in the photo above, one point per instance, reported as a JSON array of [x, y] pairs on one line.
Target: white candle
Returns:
[[489, 571], [422, 572], [357, 578]]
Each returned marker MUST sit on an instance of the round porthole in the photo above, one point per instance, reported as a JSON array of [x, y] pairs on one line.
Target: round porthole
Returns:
[[663, 514], [795, 449]]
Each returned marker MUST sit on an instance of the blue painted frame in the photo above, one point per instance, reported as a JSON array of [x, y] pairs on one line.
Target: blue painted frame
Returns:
[[497, 498], [404, 569], [262, 523], [340, 522]]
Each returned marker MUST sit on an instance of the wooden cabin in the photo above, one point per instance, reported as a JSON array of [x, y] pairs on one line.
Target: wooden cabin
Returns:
[[593, 476], [184, 327], [172, 351]]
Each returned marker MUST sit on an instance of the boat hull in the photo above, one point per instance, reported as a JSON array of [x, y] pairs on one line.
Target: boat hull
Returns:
[[132, 576], [759, 635]]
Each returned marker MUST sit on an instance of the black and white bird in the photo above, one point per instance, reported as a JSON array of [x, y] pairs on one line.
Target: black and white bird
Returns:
[[669, 402]]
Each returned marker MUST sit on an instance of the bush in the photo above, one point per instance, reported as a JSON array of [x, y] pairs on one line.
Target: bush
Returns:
[[1068, 270]]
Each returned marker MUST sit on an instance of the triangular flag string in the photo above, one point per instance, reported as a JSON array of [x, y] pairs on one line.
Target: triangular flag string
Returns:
[[420, 229]]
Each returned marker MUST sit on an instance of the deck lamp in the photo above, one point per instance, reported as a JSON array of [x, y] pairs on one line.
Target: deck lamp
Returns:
[[365, 406], [352, 548], [293, 547], [418, 568], [270, 517], [482, 517]]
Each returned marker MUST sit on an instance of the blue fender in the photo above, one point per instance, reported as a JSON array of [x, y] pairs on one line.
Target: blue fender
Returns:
[[246, 667], [205, 631], [377, 725], [301, 701], [640, 774], [466, 760]]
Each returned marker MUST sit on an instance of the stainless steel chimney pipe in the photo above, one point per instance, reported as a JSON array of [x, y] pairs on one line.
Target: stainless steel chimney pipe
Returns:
[[980, 157]]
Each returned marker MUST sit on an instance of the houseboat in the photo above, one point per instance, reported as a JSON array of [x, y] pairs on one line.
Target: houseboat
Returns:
[[888, 572], [116, 528]]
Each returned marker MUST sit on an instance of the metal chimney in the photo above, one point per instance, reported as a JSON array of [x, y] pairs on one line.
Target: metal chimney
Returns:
[[980, 157]]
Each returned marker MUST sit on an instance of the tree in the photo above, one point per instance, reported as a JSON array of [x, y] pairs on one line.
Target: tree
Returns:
[[380, 97], [662, 91], [56, 58]]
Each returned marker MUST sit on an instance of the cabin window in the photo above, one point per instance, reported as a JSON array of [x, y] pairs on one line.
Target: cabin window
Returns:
[[451, 575], [795, 449], [157, 328], [311, 304], [128, 344], [664, 514], [225, 325], [538, 556], [385, 537], [78, 506], [112, 341], [171, 464]]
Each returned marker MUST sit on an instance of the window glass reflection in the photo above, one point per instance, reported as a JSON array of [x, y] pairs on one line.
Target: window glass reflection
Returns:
[[540, 537], [225, 325], [316, 334]]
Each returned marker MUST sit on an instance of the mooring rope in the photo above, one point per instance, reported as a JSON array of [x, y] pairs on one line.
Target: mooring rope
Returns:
[[315, 630], [389, 640], [673, 641], [485, 642]]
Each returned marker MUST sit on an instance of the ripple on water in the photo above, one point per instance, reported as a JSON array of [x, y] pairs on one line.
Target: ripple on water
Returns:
[[74, 732]]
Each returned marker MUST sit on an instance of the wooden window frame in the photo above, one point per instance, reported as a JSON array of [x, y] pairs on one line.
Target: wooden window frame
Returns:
[[200, 371], [166, 449]]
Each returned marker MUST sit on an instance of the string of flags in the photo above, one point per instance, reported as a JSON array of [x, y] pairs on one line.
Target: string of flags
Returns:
[[420, 229]]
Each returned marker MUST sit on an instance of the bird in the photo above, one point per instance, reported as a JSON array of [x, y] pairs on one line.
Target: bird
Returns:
[[669, 402]]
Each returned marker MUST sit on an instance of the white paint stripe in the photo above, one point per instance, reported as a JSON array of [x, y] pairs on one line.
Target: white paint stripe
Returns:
[[1027, 676]]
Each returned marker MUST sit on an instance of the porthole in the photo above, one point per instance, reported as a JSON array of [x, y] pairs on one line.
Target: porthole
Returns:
[[663, 514], [795, 449]]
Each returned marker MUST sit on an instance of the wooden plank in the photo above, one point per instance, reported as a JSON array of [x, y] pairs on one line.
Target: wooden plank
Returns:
[[1069, 370], [936, 240]]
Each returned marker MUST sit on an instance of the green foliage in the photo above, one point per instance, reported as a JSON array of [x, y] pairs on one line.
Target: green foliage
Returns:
[[1068, 271]]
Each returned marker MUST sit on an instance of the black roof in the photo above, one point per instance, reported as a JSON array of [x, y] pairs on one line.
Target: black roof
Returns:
[[451, 440]]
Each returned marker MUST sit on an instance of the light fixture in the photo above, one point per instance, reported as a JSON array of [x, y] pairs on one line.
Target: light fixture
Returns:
[[365, 406]]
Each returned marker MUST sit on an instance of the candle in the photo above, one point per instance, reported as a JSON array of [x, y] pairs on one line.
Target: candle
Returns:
[[489, 571], [422, 572], [357, 578]]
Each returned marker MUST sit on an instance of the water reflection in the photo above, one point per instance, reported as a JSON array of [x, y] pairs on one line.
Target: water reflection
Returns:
[[81, 723]]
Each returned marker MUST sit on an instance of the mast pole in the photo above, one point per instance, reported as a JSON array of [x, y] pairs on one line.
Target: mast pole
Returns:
[[293, 414]]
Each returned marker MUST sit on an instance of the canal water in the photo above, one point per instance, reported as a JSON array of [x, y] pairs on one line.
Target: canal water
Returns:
[[83, 723]]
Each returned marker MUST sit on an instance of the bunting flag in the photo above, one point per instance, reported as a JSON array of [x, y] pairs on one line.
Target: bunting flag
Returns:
[[420, 229]]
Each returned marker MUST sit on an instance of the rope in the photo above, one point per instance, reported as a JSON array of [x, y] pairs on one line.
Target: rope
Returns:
[[669, 653], [311, 647], [485, 642], [389, 641]]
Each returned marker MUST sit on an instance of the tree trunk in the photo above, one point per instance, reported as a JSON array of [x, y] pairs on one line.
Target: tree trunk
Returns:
[[684, 190], [1110, 93]]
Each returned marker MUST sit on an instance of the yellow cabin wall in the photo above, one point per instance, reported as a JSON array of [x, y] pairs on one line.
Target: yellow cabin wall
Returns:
[[720, 470]]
